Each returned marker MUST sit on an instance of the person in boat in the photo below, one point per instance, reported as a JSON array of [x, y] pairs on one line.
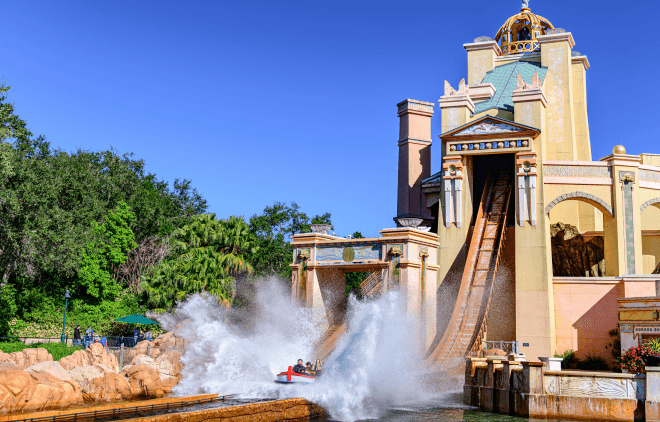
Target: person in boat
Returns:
[[299, 368], [309, 369]]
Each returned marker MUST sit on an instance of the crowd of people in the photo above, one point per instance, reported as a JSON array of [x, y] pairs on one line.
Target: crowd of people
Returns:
[[91, 337]]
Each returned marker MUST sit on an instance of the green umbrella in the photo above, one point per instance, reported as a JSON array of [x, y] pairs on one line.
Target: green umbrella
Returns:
[[136, 319]]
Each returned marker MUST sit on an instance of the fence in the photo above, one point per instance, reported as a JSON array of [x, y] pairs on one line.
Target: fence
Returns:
[[112, 342], [507, 346]]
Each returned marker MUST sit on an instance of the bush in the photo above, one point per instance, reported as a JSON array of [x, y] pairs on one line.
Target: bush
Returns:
[[631, 360], [570, 361], [594, 362], [653, 344], [58, 350]]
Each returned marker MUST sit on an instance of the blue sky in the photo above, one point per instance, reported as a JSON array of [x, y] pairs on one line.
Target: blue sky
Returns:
[[263, 101]]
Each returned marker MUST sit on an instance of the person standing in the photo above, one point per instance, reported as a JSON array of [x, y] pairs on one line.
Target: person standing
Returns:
[[77, 339], [148, 335], [136, 334], [89, 336]]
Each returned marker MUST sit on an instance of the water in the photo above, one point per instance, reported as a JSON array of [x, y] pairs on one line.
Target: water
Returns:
[[374, 373]]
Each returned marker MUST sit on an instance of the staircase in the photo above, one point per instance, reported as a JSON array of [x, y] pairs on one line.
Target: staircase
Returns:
[[372, 286], [467, 326]]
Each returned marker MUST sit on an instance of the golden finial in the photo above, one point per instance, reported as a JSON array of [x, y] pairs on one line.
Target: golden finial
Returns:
[[619, 149]]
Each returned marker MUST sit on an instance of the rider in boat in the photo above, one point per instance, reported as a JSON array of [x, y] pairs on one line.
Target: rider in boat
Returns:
[[299, 368]]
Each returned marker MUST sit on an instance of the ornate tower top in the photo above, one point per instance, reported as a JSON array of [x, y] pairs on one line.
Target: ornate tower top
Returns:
[[520, 32]]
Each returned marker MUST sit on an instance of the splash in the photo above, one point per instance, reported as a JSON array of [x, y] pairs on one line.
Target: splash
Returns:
[[375, 367]]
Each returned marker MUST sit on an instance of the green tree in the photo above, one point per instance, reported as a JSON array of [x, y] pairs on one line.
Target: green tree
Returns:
[[207, 255], [354, 279], [273, 230]]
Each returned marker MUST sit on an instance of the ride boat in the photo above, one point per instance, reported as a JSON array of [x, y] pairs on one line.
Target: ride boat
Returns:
[[290, 377]]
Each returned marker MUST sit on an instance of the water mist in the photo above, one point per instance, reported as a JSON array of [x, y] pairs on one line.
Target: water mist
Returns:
[[374, 367]]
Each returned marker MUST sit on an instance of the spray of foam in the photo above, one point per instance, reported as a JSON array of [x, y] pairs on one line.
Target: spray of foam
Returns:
[[373, 368]]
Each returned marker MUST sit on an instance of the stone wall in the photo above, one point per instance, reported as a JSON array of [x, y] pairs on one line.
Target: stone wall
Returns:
[[290, 410], [526, 389]]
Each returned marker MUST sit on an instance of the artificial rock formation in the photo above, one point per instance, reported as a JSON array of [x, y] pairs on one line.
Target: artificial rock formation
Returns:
[[100, 383], [95, 354], [572, 256], [23, 391], [144, 381], [26, 357]]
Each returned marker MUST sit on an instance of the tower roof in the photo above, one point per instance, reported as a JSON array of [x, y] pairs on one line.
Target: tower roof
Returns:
[[504, 80], [520, 32]]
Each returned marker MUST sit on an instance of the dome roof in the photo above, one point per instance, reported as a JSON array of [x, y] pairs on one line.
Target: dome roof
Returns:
[[520, 32]]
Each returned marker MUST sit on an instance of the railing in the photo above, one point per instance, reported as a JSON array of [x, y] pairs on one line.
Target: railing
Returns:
[[507, 346], [112, 342], [370, 283]]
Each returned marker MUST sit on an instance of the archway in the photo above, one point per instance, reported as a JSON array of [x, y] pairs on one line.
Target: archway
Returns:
[[582, 228], [650, 215]]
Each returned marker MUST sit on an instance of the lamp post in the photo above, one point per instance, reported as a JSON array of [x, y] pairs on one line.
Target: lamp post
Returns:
[[67, 296]]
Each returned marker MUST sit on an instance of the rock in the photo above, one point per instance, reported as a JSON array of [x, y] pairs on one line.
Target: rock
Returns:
[[146, 360], [26, 357], [52, 368], [142, 348], [22, 391], [169, 369], [95, 354], [572, 256], [7, 366], [101, 383], [143, 381]]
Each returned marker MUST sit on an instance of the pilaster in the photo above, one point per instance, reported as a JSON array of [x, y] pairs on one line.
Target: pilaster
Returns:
[[556, 56], [456, 106], [414, 157], [481, 58]]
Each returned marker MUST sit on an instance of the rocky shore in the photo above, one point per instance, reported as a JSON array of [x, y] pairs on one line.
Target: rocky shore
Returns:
[[31, 381]]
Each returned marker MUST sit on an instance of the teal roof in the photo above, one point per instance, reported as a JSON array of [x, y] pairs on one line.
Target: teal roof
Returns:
[[505, 81], [136, 319]]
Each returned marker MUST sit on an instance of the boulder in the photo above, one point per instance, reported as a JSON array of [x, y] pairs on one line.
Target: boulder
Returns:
[[26, 357], [143, 381], [169, 369], [95, 354], [142, 348], [22, 391], [101, 383], [52, 368], [7, 365]]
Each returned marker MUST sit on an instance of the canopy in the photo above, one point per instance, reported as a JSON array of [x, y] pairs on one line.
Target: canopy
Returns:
[[136, 319]]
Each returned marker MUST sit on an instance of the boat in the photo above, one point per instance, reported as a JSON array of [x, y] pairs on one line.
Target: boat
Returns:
[[290, 377]]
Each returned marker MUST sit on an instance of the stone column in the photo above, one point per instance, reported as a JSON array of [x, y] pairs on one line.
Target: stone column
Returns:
[[533, 402], [652, 394], [414, 157]]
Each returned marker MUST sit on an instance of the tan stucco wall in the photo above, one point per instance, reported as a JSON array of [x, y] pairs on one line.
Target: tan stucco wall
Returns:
[[585, 311], [580, 108]]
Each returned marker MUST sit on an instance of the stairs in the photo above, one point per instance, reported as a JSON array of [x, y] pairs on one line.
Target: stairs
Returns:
[[468, 322]]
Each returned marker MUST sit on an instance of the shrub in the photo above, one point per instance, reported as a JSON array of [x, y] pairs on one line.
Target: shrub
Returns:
[[570, 361], [58, 350], [631, 360], [594, 362]]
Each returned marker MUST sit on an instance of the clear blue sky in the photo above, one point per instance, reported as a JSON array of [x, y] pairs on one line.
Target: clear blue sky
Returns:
[[263, 101]]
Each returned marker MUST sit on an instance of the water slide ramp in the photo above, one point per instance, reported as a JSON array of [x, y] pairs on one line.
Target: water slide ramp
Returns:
[[370, 287], [467, 326]]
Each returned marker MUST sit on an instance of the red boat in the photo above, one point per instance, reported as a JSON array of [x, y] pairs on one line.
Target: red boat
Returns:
[[290, 377]]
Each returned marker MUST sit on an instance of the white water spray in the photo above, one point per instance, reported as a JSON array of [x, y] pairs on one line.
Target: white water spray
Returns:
[[375, 367]]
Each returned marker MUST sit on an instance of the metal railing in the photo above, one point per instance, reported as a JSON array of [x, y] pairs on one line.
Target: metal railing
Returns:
[[106, 413], [507, 346], [112, 341]]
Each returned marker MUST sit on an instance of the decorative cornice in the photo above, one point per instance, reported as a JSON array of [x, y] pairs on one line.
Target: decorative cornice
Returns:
[[486, 45], [564, 36], [422, 108], [583, 60], [482, 92]]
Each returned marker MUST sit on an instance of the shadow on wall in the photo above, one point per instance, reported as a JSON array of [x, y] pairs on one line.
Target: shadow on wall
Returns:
[[447, 295], [600, 315]]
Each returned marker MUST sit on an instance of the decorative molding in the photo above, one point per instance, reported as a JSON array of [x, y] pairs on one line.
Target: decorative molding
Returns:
[[627, 176], [488, 127], [415, 106], [526, 181], [303, 253], [649, 176], [583, 195], [423, 252], [395, 250], [649, 202], [471, 147], [577, 171]]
